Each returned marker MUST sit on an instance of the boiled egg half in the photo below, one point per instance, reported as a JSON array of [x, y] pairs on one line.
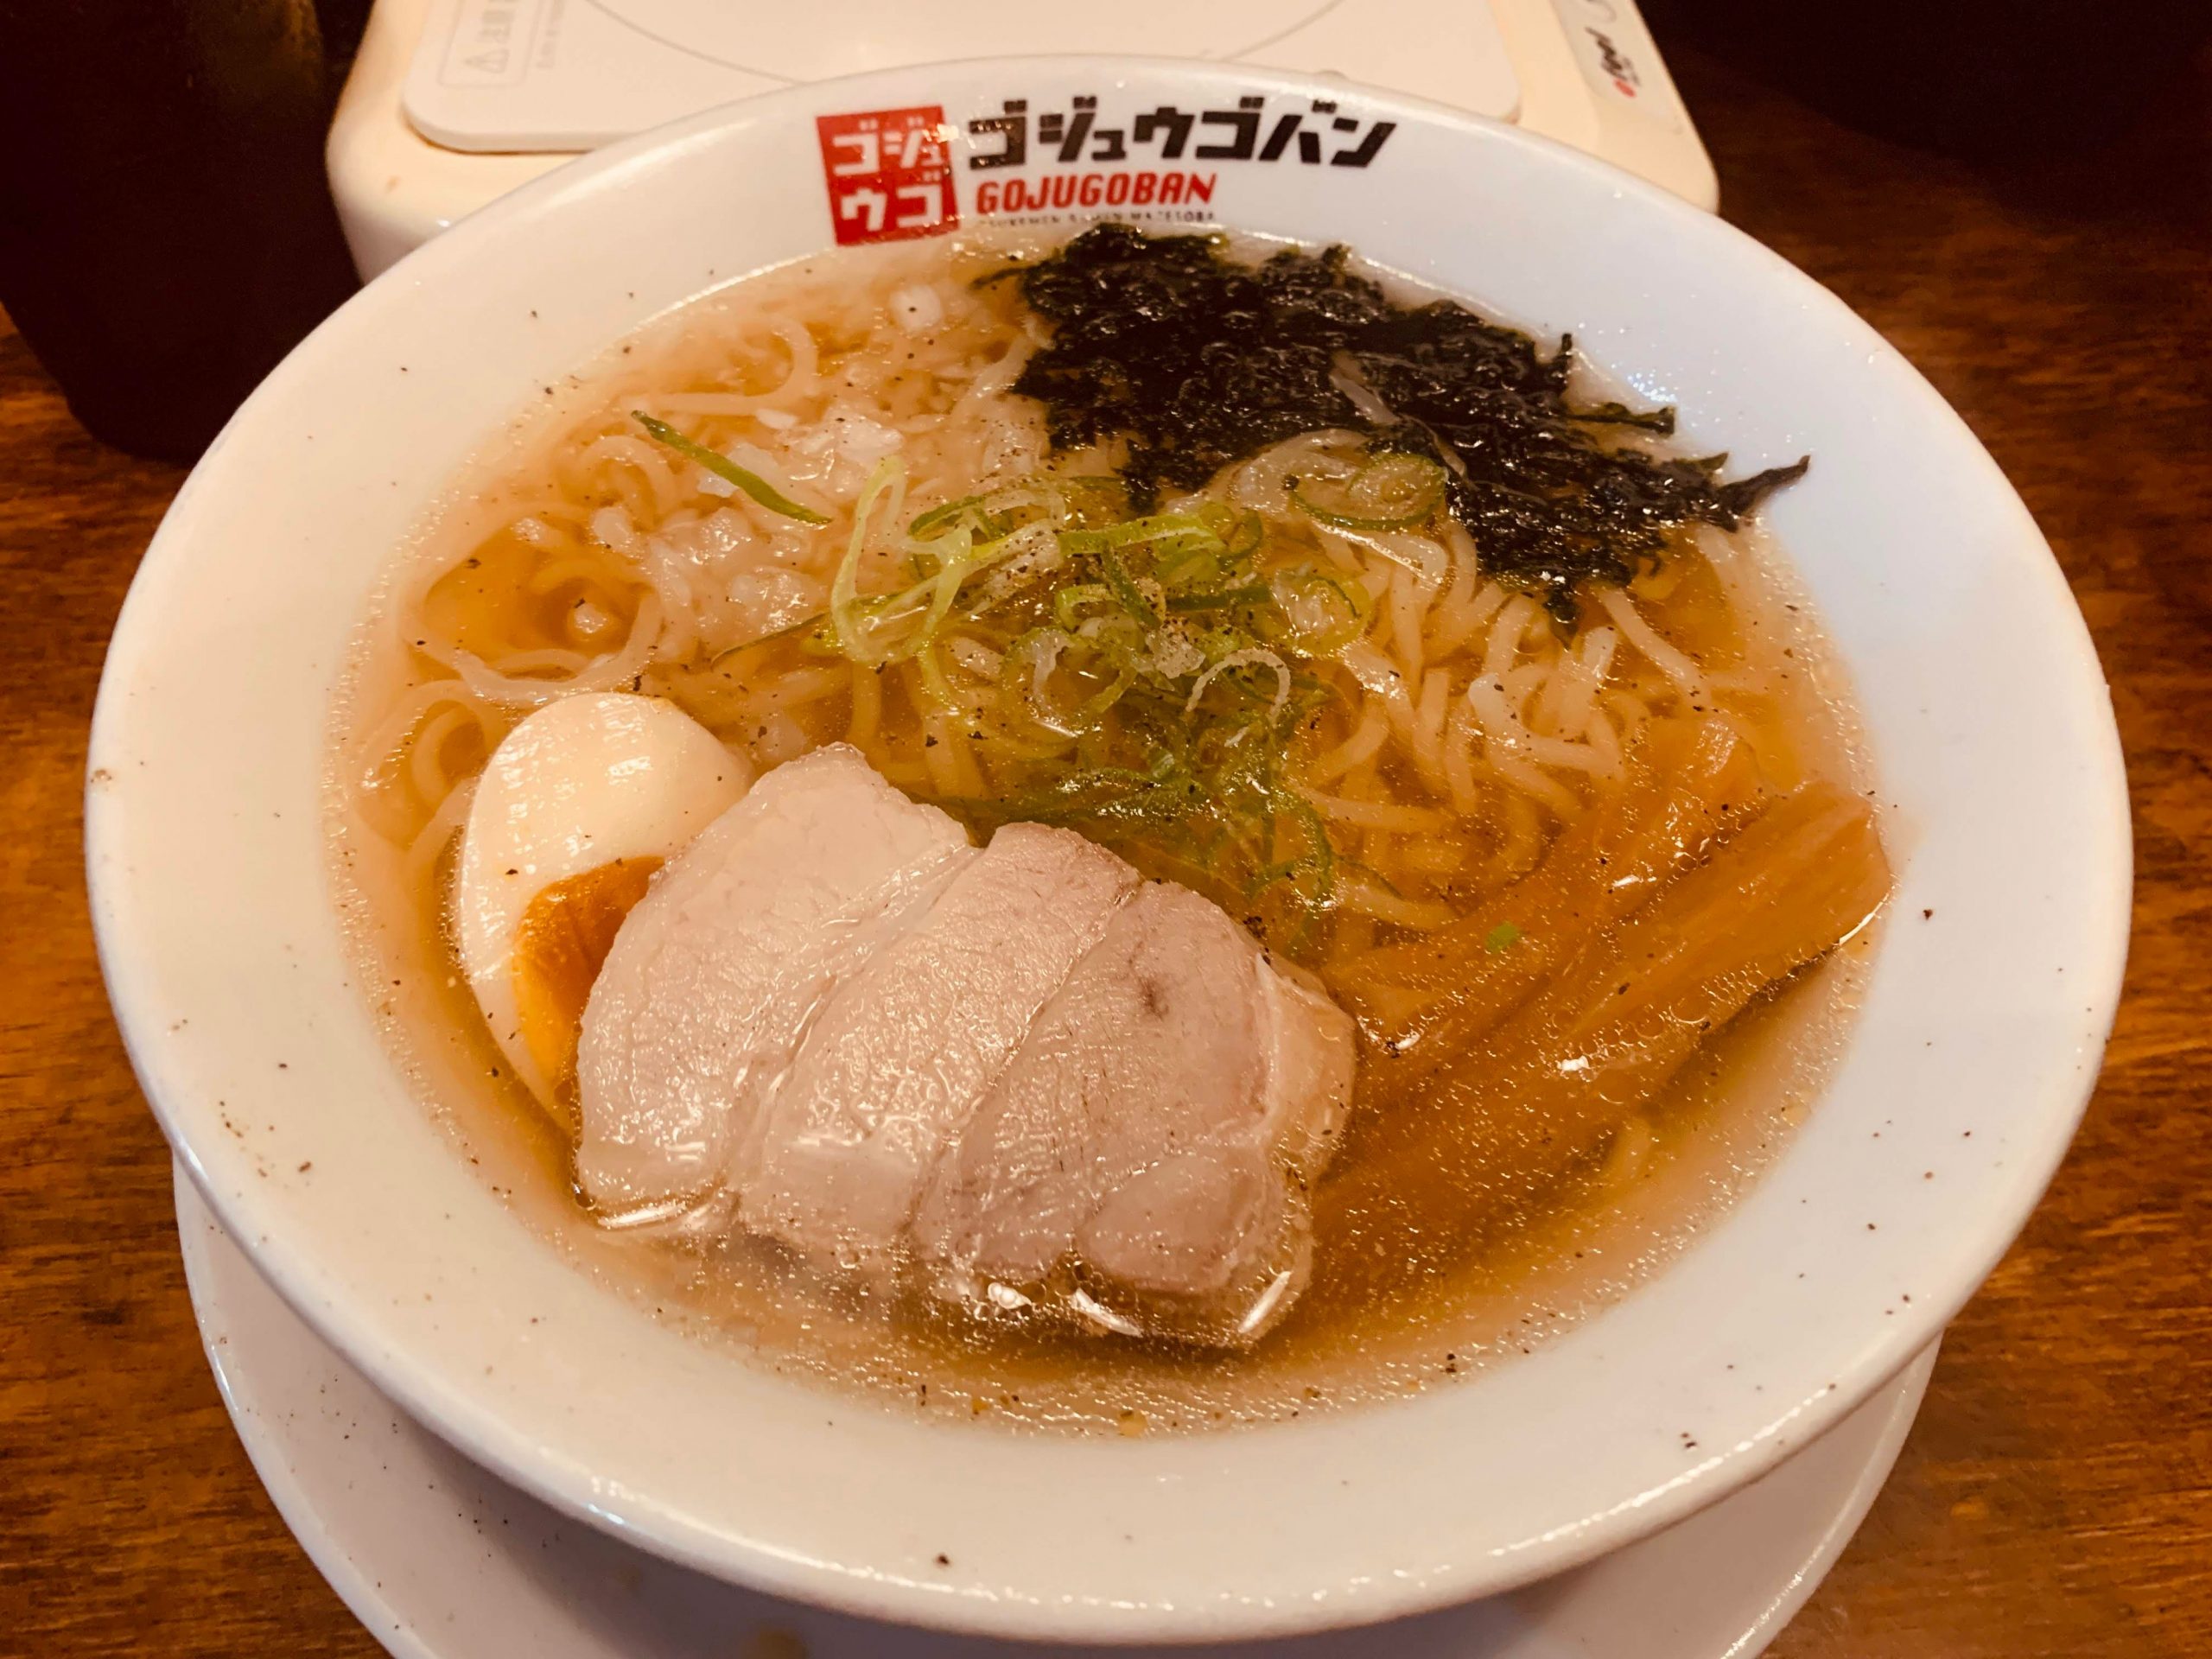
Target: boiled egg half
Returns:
[[578, 807]]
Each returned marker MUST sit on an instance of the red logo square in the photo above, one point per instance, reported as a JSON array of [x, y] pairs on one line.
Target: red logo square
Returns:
[[889, 174]]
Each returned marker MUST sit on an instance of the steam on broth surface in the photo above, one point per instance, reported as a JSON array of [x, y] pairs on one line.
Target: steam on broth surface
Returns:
[[1354, 615]]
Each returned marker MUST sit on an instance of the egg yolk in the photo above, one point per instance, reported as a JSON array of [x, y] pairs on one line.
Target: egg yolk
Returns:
[[560, 946]]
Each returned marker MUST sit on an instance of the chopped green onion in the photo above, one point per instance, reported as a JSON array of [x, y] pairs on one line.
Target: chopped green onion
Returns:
[[1028, 671], [1182, 529], [1241, 530], [848, 609], [938, 518], [1068, 603], [1187, 566], [945, 587], [728, 470], [1125, 592], [1392, 492], [1321, 854], [1501, 937], [1257, 593], [1326, 611], [785, 631], [1122, 648], [936, 687]]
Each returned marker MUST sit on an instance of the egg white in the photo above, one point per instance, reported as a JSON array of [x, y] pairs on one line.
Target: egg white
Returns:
[[584, 781]]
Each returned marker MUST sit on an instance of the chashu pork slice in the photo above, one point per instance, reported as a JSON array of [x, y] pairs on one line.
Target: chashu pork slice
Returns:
[[715, 975], [903, 1052], [1159, 1130]]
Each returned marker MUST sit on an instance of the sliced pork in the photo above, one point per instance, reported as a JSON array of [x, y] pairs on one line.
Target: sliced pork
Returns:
[[904, 1048], [889, 1050], [716, 974], [1160, 1126]]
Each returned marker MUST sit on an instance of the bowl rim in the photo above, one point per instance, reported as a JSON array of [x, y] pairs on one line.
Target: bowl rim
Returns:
[[313, 1290]]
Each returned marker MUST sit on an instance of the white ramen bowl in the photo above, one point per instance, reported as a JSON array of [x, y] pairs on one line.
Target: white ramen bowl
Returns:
[[1962, 1083]]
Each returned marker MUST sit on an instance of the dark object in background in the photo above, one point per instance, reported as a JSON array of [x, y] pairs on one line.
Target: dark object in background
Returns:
[[2025, 82], [166, 230]]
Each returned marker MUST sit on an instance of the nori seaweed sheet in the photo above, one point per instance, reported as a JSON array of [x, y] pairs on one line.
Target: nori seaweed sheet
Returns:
[[1195, 361]]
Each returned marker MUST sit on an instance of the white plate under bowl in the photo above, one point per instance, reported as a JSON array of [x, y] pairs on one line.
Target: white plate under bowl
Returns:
[[1984, 1018], [441, 1561]]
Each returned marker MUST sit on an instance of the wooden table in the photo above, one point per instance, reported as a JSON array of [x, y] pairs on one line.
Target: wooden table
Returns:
[[2056, 1496]]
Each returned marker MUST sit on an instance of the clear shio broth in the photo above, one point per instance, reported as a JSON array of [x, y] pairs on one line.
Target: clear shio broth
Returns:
[[576, 541]]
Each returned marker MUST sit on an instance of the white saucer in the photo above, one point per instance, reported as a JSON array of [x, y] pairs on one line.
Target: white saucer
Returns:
[[442, 1562]]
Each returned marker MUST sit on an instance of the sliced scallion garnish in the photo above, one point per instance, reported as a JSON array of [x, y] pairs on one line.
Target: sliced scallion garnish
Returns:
[[728, 470], [1390, 492]]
